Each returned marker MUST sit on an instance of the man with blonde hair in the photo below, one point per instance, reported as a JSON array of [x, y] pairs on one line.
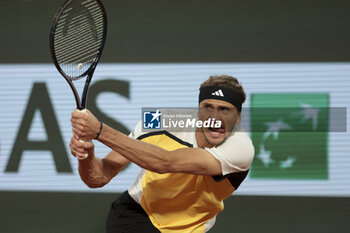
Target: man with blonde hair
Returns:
[[184, 177]]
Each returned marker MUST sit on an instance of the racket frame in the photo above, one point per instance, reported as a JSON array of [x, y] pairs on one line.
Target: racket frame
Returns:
[[89, 72]]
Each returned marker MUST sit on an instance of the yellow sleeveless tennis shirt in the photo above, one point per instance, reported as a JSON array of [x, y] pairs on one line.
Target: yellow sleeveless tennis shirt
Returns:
[[178, 202]]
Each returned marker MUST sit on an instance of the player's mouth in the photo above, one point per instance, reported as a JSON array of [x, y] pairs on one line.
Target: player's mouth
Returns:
[[216, 132]]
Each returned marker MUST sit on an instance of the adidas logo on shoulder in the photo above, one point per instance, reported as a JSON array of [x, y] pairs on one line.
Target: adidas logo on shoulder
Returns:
[[218, 93]]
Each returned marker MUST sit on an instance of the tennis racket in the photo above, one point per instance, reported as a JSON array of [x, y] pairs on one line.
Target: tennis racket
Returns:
[[77, 38]]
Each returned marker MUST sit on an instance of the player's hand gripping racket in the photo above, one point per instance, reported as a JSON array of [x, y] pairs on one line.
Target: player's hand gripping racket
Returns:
[[77, 38]]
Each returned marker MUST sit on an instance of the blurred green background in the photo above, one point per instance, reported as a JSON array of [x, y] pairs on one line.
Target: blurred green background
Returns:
[[185, 31]]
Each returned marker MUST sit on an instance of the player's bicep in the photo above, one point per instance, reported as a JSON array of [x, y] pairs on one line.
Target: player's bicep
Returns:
[[113, 163], [194, 161]]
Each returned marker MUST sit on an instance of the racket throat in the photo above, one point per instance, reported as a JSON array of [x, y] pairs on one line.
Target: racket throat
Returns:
[[85, 92]]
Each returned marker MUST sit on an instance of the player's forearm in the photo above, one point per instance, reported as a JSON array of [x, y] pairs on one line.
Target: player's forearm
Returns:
[[145, 155], [92, 172]]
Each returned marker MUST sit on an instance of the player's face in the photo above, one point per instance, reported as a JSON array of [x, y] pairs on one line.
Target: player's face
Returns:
[[220, 111]]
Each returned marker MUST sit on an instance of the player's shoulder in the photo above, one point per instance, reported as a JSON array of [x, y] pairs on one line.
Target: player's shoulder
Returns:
[[236, 153], [238, 141]]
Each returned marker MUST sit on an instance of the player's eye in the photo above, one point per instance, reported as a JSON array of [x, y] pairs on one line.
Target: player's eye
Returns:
[[208, 107], [224, 110]]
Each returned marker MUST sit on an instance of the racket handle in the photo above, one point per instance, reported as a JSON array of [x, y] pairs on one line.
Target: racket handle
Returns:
[[83, 141]]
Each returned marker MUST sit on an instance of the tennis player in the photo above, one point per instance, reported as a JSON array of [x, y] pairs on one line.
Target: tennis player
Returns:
[[185, 176]]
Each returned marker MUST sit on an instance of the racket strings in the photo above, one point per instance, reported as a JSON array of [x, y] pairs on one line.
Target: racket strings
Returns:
[[84, 51], [89, 45], [78, 37]]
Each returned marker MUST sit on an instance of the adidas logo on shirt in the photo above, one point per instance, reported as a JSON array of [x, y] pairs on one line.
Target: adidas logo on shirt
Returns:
[[218, 93]]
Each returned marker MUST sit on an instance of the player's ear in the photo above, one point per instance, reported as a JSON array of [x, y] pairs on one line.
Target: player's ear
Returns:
[[239, 118]]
